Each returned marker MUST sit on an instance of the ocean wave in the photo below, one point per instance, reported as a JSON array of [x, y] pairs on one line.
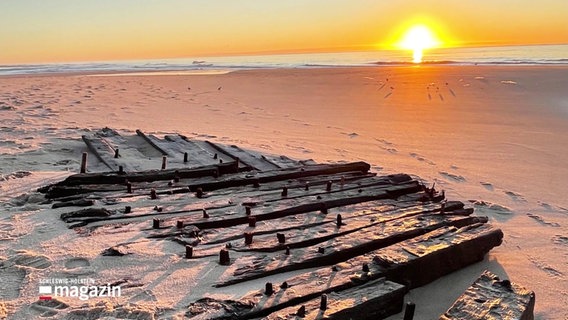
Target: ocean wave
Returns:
[[549, 55]]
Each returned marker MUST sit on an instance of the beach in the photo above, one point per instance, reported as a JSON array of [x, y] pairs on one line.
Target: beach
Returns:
[[494, 137]]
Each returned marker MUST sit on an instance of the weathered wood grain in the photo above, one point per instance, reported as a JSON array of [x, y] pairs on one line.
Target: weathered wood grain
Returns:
[[340, 249], [440, 244], [491, 298], [373, 300]]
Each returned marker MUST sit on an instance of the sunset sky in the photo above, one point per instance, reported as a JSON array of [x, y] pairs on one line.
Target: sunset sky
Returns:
[[87, 30]]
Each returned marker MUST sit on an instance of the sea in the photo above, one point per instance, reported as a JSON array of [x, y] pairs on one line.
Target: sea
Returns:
[[494, 55]]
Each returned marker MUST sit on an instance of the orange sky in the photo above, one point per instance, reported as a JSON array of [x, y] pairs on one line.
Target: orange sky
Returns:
[[82, 30]]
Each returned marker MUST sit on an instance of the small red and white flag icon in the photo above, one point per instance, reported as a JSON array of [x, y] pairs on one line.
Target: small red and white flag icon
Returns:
[[45, 292]]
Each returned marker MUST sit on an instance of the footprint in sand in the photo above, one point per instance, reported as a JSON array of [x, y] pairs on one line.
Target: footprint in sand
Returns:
[[77, 267], [550, 207], [560, 239], [489, 207], [551, 271], [47, 308], [387, 145], [11, 280], [385, 142], [515, 196], [543, 222], [452, 177], [5, 228], [31, 260], [350, 135], [487, 186], [390, 150], [76, 263], [421, 158]]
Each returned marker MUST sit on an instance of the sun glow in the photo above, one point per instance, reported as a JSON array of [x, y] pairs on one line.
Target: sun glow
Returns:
[[418, 38]]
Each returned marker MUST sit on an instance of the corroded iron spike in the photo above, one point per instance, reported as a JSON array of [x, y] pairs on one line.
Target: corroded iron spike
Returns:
[[281, 237], [269, 289], [252, 222], [248, 238], [84, 163], [224, 257], [188, 252], [409, 311], [323, 302], [301, 312], [164, 162]]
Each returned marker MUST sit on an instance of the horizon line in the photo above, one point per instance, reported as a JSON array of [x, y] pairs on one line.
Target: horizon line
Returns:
[[361, 48]]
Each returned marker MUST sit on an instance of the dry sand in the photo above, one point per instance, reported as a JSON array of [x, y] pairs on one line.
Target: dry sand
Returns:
[[495, 136]]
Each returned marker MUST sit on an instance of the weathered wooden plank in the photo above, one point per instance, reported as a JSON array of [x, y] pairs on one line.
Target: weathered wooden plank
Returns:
[[258, 163], [222, 150], [267, 197], [283, 161], [341, 248], [374, 300], [213, 184], [360, 214], [197, 156], [154, 142], [491, 298], [418, 261], [214, 153], [365, 212], [352, 272], [115, 151], [348, 197], [98, 148], [317, 184], [309, 235]]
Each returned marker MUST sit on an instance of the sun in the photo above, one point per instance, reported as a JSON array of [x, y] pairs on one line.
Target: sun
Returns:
[[417, 38]]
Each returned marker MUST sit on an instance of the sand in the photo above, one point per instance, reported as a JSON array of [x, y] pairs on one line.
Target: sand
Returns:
[[493, 136]]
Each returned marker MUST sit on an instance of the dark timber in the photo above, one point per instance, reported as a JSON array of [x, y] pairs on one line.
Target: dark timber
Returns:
[[245, 215]]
